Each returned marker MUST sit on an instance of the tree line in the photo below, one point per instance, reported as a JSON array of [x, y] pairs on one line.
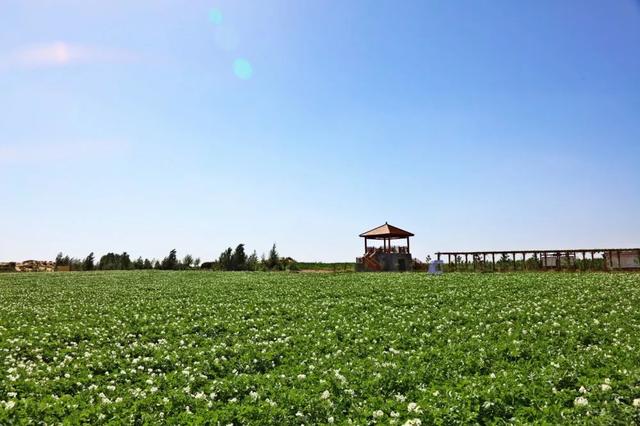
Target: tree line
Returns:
[[229, 260]]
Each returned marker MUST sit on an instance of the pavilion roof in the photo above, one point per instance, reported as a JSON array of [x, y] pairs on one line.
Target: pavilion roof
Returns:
[[386, 231]]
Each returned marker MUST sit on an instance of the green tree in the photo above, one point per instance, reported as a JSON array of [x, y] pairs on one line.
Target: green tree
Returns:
[[252, 262], [225, 260], [125, 261], [170, 262], [273, 261], [239, 259], [89, 262], [138, 263], [196, 262], [147, 264], [187, 262]]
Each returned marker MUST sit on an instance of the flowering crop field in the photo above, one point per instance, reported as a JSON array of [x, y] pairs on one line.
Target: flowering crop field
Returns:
[[278, 348]]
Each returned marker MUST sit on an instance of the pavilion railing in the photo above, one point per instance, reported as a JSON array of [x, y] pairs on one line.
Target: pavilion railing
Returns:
[[392, 249]]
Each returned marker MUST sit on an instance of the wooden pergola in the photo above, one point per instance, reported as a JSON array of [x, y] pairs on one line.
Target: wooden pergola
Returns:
[[386, 233], [565, 258]]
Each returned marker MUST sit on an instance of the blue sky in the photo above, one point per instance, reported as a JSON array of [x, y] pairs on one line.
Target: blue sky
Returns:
[[474, 124]]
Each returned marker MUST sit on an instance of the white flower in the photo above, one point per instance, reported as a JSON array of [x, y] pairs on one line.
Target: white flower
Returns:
[[580, 401], [330, 420], [605, 387], [325, 395], [400, 397], [413, 422], [378, 413], [582, 389], [9, 405], [414, 408], [636, 402], [253, 395], [302, 376], [394, 414]]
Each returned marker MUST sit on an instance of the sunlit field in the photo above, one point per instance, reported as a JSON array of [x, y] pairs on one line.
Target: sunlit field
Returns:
[[286, 348]]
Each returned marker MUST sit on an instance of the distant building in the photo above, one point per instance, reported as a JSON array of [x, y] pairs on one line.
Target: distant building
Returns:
[[388, 257]]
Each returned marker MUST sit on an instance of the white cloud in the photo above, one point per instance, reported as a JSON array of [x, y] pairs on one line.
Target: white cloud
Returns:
[[58, 53]]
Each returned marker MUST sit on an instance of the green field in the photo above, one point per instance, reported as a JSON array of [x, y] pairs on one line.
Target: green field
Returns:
[[283, 348]]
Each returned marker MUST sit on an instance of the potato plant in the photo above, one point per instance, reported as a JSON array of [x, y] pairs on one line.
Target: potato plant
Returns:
[[277, 348]]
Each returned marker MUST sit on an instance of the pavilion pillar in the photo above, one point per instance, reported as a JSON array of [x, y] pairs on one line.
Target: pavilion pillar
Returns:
[[408, 248], [493, 261], [515, 266]]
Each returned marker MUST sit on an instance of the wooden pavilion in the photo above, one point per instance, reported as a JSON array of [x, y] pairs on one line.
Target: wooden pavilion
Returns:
[[389, 257]]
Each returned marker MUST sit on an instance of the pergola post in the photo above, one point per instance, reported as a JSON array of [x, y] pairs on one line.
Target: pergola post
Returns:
[[515, 266], [408, 248], [493, 262]]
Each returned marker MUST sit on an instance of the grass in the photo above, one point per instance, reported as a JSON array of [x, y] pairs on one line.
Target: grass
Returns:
[[278, 348]]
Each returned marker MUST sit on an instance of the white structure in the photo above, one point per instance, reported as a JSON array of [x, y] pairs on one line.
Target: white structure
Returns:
[[623, 259], [436, 267]]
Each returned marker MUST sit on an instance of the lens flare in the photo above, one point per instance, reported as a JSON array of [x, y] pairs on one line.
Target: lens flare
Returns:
[[242, 69], [215, 16]]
